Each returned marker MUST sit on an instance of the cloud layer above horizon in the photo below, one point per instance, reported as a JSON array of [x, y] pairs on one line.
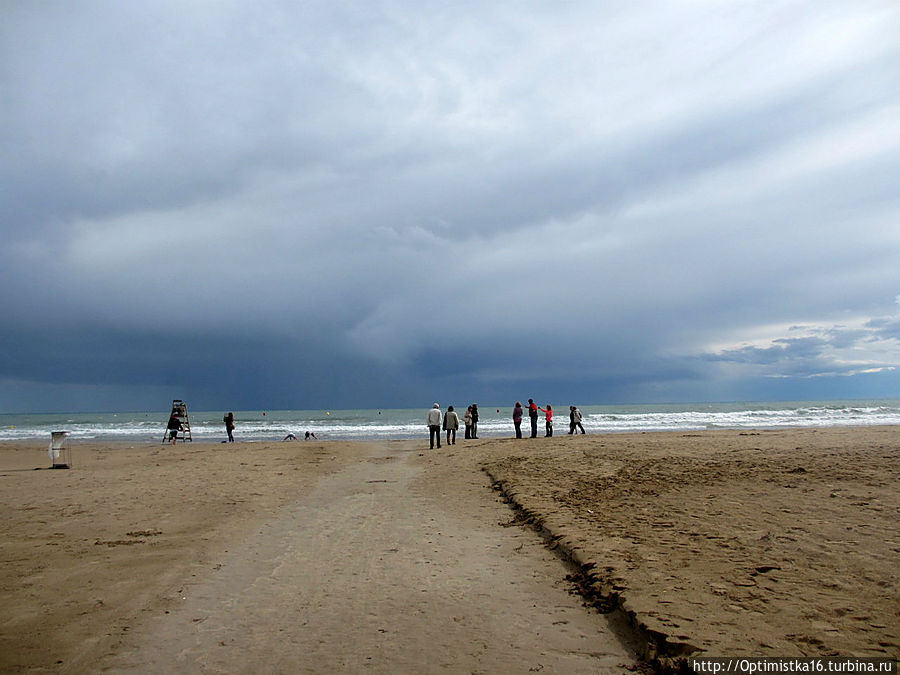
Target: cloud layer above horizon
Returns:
[[343, 205]]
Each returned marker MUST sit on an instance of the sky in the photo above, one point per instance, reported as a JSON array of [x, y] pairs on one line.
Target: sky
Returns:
[[337, 204]]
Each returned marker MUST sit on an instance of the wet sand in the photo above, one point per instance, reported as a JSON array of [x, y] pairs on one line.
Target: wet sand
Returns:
[[389, 557]]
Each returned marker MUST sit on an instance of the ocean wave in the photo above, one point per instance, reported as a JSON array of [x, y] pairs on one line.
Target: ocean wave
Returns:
[[403, 424]]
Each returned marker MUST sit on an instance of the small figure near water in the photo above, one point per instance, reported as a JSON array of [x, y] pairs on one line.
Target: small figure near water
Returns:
[[474, 420], [229, 425], [434, 425], [467, 418], [291, 437]]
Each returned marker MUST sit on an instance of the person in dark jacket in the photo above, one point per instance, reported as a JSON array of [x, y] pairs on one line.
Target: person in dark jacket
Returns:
[[533, 415], [174, 426], [474, 420], [517, 419], [229, 426]]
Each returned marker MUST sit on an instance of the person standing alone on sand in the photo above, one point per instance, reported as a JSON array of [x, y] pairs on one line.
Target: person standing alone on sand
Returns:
[[517, 419], [229, 426], [434, 425], [549, 419], [532, 414], [451, 424]]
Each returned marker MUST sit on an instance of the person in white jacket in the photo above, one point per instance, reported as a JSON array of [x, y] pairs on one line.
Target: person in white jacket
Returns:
[[434, 425], [575, 418]]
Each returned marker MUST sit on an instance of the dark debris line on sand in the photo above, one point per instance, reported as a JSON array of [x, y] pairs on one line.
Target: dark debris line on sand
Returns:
[[658, 652]]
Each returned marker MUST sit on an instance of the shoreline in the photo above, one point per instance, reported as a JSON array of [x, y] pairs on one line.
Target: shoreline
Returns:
[[727, 541], [144, 443]]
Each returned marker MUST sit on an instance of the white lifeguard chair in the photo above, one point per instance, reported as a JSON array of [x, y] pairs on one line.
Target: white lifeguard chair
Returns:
[[59, 450]]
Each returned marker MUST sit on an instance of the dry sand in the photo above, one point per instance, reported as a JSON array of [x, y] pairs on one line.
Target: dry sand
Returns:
[[769, 543], [283, 558], [315, 557], [86, 552]]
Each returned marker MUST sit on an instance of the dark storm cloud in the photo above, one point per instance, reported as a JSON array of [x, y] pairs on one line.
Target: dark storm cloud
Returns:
[[336, 204]]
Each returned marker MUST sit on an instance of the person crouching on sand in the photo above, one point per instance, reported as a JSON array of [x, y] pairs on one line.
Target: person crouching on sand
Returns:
[[174, 426]]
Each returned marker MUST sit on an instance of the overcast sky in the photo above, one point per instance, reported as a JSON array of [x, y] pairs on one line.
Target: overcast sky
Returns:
[[395, 202]]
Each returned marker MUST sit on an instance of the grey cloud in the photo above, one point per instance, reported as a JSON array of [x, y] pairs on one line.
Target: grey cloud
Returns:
[[887, 328], [836, 350], [395, 195]]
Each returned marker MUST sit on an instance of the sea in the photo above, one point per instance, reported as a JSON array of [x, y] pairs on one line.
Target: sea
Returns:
[[495, 421]]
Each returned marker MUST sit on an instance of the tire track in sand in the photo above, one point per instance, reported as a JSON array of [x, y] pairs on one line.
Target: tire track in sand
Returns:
[[380, 570]]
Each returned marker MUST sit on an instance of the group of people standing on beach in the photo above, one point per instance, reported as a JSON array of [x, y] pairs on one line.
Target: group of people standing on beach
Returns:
[[575, 418], [449, 422]]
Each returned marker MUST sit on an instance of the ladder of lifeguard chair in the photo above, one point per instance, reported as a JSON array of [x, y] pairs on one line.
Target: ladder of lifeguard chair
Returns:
[[185, 423]]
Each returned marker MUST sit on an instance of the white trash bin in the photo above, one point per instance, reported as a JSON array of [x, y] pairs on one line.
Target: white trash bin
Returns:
[[59, 450]]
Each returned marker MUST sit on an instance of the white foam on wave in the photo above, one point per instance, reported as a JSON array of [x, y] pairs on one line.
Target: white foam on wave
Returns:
[[404, 424]]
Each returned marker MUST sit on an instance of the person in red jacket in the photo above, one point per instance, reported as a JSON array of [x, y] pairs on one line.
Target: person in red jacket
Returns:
[[549, 415]]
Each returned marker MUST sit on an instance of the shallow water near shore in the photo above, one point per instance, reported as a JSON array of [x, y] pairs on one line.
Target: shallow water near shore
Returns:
[[495, 421]]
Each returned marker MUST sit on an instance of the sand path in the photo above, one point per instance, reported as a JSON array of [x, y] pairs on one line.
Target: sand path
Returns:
[[394, 564]]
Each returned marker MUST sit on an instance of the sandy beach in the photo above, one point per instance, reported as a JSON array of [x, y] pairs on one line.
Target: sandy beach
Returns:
[[763, 543], [387, 557]]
